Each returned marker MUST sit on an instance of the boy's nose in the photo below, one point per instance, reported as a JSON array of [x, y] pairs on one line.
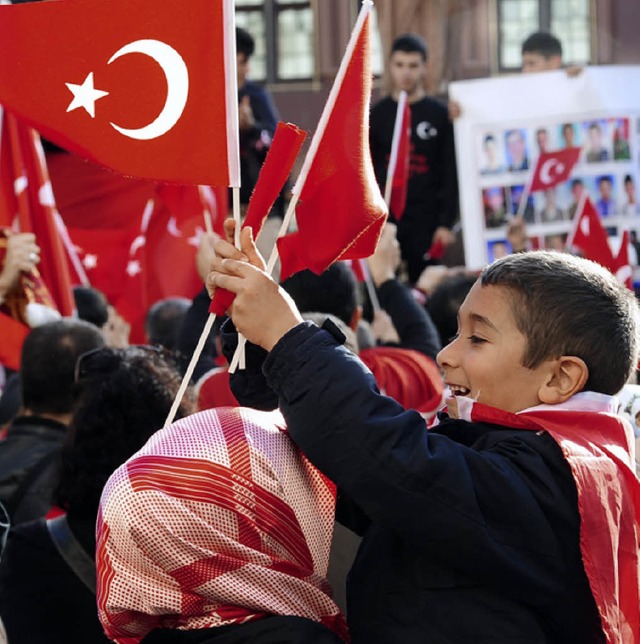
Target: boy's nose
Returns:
[[446, 357]]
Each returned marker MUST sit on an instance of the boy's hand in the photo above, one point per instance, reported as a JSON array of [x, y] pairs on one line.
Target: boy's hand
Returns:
[[262, 311]]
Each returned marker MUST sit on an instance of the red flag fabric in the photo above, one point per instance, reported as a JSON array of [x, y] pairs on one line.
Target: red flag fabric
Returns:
[[553, 168], [608, 493], [622, 265], [284, 149], [168, 112], [13, 334], [590, 237], [399, 181], [341, 211], [26, 202]]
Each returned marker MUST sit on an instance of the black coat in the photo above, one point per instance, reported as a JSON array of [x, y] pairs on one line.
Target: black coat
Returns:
[[471, 532]]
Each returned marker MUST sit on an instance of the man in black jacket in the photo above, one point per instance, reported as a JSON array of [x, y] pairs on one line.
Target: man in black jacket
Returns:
[[35, 436]]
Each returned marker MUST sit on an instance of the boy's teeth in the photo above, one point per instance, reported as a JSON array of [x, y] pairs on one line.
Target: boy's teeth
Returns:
[[459, 391]]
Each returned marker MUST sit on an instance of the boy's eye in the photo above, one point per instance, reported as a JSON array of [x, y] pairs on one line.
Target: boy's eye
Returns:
[[474, 339]]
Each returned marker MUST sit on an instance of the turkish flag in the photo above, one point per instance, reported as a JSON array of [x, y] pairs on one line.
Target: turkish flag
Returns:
[[590, 237], [553, 168], [341, 211], [145, 88], [26, 203], [399, 161], [284, 149]]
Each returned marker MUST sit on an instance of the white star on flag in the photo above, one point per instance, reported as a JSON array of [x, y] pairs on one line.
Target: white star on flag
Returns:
[[85, 95], [90, 261], [133, 268]]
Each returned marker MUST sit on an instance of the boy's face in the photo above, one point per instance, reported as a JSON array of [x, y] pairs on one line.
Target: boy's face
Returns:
[[407, 70], [484, 361], [533, 61], [242, 68]]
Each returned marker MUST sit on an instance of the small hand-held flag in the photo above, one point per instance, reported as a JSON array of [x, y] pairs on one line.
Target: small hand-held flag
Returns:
[[589, 236], [553, 168], [145, 88], [395, 189], [340, 211]]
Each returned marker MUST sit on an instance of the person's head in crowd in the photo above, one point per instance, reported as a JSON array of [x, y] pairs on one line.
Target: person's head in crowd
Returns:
[[47, 365], [121, 397], [539, 327], [226, 524], [541, 52], [164, 320], [91, 305], [334, 291], [445, 300], [408, 64], [245, 47]]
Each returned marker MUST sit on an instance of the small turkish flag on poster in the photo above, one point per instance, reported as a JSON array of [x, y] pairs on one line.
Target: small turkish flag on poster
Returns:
[[553, 168]]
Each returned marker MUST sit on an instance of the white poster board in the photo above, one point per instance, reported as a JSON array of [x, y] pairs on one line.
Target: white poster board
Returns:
[[504, 122]]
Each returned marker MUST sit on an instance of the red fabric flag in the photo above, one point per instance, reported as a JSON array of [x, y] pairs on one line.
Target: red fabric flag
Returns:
[[622, 265], [400, 157], [26, 192], [608, 492], [341, 211], [553, 168], [590, 237], [168, 112], [285, 147]]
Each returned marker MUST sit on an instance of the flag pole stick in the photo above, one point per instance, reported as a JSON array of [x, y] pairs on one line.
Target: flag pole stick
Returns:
[[395, 145], [69, 247], [190, 369]]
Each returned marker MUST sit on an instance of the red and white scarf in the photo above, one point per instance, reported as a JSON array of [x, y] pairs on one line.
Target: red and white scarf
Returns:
[[599, 447], [218, 520]]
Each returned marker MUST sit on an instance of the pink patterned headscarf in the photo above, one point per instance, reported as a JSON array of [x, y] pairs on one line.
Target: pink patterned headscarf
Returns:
[[218, 520]]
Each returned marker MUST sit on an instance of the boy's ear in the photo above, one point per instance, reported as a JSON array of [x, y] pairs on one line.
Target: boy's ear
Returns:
[[568, 376]]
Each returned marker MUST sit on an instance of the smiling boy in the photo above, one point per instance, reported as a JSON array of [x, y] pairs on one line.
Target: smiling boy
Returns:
[[516, 518]]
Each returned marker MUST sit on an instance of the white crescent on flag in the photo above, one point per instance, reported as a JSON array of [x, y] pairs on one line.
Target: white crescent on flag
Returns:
[[176, 73], [550, 170]]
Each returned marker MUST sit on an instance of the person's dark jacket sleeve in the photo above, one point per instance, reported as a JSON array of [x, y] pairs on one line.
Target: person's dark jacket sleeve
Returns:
[[498, 508], [413, 324], [448, 209]]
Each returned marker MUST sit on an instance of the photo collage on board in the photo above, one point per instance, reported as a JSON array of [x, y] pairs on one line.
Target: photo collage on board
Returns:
[[608, 172]]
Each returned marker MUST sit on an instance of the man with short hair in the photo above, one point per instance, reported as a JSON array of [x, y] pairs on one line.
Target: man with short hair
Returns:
[[35, 436], [541, 52]]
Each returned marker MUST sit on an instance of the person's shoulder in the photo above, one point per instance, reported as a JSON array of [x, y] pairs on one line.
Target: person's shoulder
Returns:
[[253, 88], [434, 105], [384, 104]]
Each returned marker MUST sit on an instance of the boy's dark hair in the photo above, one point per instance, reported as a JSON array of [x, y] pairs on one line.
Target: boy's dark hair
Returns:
[[443, 304], [334, 291], [410, 43], [91, 304], [245, 44], [567, 305], [544, 43], [48, 361], [121, 397]]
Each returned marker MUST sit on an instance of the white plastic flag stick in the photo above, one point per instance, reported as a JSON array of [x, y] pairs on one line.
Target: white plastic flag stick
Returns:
[[395, 146]]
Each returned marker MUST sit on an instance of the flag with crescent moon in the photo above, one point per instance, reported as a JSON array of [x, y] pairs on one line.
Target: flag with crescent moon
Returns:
[[145, 88], [553, 168]]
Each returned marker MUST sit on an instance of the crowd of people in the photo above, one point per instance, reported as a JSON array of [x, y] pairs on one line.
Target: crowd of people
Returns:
[[432, 455]]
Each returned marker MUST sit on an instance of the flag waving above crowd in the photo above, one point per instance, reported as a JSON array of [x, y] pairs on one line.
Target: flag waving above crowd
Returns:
[[134, 85], [341, 210]]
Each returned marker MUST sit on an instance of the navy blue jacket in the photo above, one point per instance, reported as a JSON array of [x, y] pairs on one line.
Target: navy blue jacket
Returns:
[[471, 532]]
